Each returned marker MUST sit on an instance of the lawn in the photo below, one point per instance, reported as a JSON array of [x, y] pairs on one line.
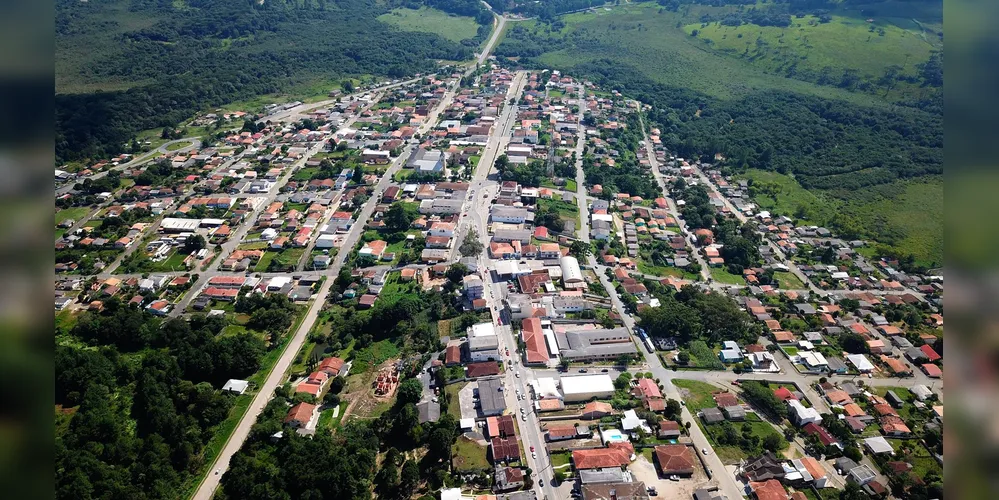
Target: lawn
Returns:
[[467, 455], [427, 20], [721, 275], [560, 459], [75, 213], [788, 280], [733, 454], [373, 355], [571, 186], [565, 210], [645, 267], [698, 395], [178, 145], [454, 406]]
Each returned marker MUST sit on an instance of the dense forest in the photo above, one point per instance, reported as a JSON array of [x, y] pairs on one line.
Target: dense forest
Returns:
[[137, 397], [211, 52]]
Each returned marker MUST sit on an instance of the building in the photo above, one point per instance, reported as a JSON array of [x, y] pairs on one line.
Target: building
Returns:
[[509, 215], [427, 161], [800, 415], [483, 369], [507, 479], [300, 415], [613, 455], [674, 460], [614, 491], [504, 449], [572, 275], [536, 352], [235, 385], [600, 344], [586, 387], [483, 343], [491, 401], [473, 286], [770, 489]]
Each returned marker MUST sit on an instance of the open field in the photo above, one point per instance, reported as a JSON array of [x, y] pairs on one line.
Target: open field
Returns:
[[75, 213], [821, 51], [696, 395], [427, 20], [671, 56], [469, 455]]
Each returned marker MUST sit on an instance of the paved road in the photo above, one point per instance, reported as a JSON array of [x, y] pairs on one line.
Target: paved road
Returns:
[[497, 31], [134, 162], [654, 164], [207, 488]]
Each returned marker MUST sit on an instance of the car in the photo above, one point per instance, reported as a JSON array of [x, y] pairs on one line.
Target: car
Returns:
[[704, 451], [683, 403], [523, 417], [534, 455], [604, 370], [217, 471], [485, 196], [518, 374], [541, 482], [532, 449], [582, 370], [434, 399]]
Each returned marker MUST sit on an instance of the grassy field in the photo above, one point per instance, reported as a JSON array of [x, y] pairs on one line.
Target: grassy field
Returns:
[[467, 455], [624, 33], [454, 407], [788, 280], [178, 145], [427, 20], [698, 394], [75, 213], [721, 275], [815, 48]]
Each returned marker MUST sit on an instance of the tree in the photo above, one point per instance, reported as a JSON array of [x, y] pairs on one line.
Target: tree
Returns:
[[470, 246], [580, 249], [194, 243], [673, 409], [398, 218], [761, 396], [853, 343], [410, 476], [622, 381], [774, 443], [456, 272], [410, 392], [683, 357]]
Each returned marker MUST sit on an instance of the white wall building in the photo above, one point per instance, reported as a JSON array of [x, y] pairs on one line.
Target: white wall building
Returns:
[[586, 387]]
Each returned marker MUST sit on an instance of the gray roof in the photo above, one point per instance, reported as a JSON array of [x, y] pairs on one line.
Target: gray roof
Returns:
[[712, 415], [581, 344], [484, 342], [429, 411], [608, 475], [491, 397]]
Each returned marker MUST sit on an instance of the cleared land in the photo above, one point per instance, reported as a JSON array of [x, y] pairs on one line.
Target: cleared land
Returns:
[[814, 49], [426, 20]]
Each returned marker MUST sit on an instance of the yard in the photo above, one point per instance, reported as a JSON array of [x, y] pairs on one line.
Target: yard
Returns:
[[721, 275], [467, 455], [454, 407], [696, 394], [75, 213], [729, 439], [788, 280]]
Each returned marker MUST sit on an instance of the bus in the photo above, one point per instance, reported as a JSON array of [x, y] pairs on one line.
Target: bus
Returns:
[[648, 345]]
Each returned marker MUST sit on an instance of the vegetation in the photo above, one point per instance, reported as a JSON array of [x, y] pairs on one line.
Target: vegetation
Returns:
[[425, 20], [144, 398], [692, 314], [154, 64], [841, 145]]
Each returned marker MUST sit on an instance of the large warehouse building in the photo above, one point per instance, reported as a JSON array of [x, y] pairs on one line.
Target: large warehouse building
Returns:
[[587, 387]]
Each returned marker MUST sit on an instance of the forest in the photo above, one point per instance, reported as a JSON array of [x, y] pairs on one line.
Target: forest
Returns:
[[137, 400], [212, 52]]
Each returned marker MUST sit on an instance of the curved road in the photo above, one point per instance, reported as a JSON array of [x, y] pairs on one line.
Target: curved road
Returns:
[[138, 160]]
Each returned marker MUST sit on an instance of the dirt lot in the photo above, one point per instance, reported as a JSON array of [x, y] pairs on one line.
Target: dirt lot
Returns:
[[645, 471], [363, 401]]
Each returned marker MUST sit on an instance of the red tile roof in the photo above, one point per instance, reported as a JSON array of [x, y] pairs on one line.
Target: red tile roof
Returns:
[[537, 352], [675, 459], [600, 458], [482, 369], [784, 394], [301, 412], [771, 489], [932, 370], [331, 365], [824, 436], [505, 449], [648, 388], [452, 355], [930, 353]]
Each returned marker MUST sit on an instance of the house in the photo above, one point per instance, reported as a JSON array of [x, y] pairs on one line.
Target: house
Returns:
[[770, 489], [735, 413], [561, 433], [821, 432], [373, 250], [712, 415], [482, 369], [507, 479], [427, 161], [300, 415], [878, 445], [332, 366], [674, 460], [236, 386], [599, 458], [452, 355], [800, 415], [931, 370], [595, 410], [763, 468], [504, 449], [669, 429]]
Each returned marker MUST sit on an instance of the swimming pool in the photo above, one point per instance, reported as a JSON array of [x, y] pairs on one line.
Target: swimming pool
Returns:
[[613, 436]]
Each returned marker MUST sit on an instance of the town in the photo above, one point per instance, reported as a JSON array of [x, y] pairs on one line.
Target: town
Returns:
[[510, 258]]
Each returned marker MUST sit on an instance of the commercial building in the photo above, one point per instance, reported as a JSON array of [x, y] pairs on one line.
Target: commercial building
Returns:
[[483, 344], [595, 345], [491, 401], [586, 387]]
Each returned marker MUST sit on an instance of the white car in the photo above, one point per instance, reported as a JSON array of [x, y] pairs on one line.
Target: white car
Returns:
[[534, 455], [704, 451]]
